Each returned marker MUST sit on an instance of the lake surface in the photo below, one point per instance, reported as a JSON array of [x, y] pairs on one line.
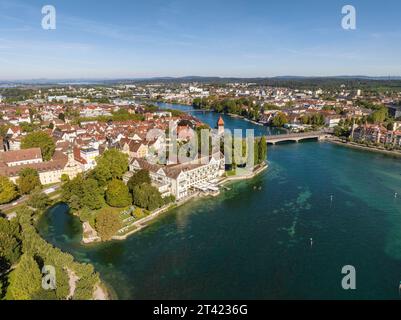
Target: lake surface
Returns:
[[230, 122], [255, 244]]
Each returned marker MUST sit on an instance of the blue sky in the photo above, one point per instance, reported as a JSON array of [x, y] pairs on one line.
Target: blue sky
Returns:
[[245, 38]]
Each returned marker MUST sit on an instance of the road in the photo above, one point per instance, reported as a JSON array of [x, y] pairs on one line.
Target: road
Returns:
[[23, 199]]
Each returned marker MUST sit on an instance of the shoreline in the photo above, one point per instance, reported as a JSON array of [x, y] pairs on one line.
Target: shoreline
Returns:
[[146, 221], [365, 148]]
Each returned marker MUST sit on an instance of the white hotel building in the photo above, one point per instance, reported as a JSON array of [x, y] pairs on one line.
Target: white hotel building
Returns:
[[180, 180]]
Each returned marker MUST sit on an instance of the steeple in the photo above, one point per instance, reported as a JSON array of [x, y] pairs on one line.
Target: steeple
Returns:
[[220, 122], [220, 126]]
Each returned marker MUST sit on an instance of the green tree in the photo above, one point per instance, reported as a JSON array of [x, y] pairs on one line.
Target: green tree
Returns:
[[3, 130], [28, 180], [92, 195], [25, 280], [39, 200], [117, 194], [10, 247], [262, 149], [112, 164], [81, 193], [42, 140], [379, 116], [27, 127], [139, 177], [62, 283], [71, 192], [61, 116], [280, 120], [107, 224], [147, 196], [65, 177], [8, 190]]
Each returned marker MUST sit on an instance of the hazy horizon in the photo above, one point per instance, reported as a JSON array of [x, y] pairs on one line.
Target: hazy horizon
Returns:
[[176, 38]]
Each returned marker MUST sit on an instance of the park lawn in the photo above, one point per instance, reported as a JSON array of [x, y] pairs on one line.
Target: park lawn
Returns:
[[231, 173], [90, 216]]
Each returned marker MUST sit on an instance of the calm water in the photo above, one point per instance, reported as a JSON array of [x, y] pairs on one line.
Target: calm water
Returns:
[[230, 122], [251, 243]]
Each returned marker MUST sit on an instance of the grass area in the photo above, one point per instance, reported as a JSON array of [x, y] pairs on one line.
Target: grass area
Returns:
[[90, 215], [126, 215], [231, 173]]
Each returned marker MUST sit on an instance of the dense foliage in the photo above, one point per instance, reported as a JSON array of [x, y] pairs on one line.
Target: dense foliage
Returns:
[[117, 194], [147, 196], [39, 200], [112, 164], [280, 120], [82, 193], [107, 224], [28, 180], [24, 280], [139, 177], [39, 139], [8, 190]]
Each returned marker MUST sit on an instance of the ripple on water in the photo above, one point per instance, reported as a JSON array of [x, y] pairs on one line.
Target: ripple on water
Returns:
[[216, 239]]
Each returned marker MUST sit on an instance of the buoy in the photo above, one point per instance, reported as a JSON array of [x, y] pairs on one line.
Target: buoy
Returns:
[[311, 242]]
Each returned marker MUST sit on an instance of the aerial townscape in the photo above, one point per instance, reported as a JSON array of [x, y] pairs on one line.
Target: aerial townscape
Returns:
[[199, 151], [89, 147]]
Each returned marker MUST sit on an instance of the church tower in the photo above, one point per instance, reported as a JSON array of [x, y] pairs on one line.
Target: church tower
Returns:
[[220, 126]]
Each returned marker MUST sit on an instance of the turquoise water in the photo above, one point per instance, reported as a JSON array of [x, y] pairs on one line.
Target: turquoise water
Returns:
[[251, 243], [255, 244]]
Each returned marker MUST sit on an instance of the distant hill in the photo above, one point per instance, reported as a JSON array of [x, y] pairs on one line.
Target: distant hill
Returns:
[[353, 81]]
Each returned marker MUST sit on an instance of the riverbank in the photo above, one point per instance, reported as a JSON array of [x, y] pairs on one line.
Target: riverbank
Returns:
[[363, 147], [252, 175]]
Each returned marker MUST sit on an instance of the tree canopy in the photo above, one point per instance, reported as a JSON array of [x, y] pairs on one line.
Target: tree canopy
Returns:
[[39, 200], [42, 140], [8, 190], [147, 196], [82, 193], [112, 164], [107, 224], [117, 194], [25, 279], [262, 149], [28, 180], [379, 116], [139, 177], [10, 247], [280, 120]]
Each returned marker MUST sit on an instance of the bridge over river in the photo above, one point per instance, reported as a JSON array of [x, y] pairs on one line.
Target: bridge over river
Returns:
[[296, 137]]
